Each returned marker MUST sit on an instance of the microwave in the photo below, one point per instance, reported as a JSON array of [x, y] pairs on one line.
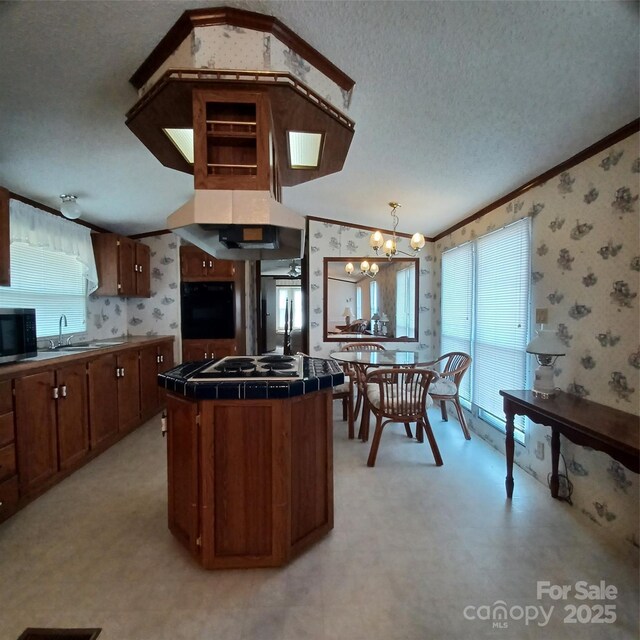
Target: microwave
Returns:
[[17, 334]]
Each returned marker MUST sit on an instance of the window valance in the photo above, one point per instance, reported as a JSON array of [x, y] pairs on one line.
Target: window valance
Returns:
[[38, 228]]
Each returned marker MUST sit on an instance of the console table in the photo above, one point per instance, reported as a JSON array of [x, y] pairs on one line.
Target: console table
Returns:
[[581, 421]]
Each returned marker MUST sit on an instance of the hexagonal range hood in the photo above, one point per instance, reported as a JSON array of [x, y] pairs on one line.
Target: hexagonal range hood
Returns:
[[240, 225], [249, 89]]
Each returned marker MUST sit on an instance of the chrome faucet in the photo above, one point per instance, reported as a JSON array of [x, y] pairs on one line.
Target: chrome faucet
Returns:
[[62, 317]]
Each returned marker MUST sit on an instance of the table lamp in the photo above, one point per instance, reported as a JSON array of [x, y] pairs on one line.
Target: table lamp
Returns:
[[374, 318], [347, 315], [384, 321], [546, 347]]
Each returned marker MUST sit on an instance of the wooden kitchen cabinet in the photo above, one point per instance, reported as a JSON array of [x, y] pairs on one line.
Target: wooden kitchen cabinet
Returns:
[[51, 422], [231, 133], [37, 442], [208, 349], [62, 416], [103, 404], [5, 254], [153, 360], [196, 265], [123, 266], [72, 412], [8, 477], [128, 379]]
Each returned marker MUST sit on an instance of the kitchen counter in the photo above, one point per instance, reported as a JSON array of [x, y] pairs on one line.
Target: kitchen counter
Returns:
[[318, 374], [46, 357]]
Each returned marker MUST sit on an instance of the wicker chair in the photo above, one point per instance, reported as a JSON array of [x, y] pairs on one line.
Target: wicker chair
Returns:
[[344, 392], [359, 372], [452, 367], [399, 394]]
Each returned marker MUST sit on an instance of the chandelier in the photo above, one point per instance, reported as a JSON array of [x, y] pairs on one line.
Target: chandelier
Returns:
[[389, 247]]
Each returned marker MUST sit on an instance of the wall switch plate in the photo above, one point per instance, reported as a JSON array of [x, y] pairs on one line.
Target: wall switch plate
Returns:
[[540, 450], [542, 316]]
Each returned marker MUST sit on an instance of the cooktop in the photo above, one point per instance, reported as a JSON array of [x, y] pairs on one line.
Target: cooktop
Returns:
[[245, 368]]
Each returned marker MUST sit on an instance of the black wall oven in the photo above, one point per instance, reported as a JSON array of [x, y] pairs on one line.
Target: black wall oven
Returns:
[[208, 310], [17, 334]]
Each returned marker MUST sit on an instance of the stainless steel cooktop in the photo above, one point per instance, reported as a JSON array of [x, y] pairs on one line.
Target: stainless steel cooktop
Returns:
[[251, 368]]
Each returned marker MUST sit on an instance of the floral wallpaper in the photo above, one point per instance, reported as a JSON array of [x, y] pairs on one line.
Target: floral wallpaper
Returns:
[[342, 241], [110, 317], [229, 47], [586, 272]]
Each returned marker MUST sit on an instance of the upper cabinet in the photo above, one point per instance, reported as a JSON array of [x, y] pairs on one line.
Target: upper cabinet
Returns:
[[196, 265], [123, 266], [231, 133], [5, 275]]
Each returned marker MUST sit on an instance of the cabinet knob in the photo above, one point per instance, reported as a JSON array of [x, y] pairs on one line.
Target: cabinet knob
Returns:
[[135, 267], [1, 503], [63, 390], [211, 264], [204, 264], [139, 268], [122, 372], [161, 358], [205, 355], [55, 393]]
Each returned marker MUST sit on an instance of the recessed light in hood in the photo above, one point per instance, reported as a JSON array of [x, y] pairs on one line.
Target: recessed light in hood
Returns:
[[304, 149], [183, 141]]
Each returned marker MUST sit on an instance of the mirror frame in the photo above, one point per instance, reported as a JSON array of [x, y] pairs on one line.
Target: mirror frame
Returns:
[[365, 337]]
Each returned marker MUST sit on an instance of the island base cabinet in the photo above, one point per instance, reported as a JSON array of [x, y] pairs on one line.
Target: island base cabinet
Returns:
[[258, 473]]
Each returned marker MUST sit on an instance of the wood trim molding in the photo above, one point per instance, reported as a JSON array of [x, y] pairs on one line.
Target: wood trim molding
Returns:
[[55, 212], [149, 234], [585, 154], [237, 18], [342, 223], [5, 250]]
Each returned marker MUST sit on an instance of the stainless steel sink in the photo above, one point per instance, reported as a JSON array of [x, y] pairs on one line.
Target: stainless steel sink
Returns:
[[78, 347]]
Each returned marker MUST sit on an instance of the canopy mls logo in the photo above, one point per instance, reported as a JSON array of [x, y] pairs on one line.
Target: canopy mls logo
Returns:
[[499, 614]]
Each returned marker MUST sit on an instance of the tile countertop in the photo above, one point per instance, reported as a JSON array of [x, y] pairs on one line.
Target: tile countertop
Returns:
[[318, 374], [45, 359]]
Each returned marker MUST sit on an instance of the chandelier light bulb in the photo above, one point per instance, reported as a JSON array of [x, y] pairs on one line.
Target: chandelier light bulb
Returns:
[[349, 267], [364, 266], [417, 241], [376, 240], [390, 248], [374, 269]]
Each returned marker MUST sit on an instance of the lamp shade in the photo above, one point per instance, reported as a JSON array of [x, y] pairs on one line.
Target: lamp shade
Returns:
[[546, 343], [347, 312], [375, 316]]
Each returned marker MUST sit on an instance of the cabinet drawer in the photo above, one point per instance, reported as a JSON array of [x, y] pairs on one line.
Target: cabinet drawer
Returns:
[[8, 495], [7, 461], [6, 428], [6, 397]]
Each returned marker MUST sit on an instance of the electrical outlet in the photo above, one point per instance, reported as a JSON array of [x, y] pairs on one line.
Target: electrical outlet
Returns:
[[542, 316]]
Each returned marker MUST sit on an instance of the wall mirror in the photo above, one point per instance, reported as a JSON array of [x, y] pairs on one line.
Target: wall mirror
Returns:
[[383, 308]]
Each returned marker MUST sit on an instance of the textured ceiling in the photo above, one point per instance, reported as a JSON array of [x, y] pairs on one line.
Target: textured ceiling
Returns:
[[455, 103]]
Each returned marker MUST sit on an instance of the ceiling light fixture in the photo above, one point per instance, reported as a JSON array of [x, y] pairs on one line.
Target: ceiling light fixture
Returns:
[[366, 269], [69, 207], [390, 247]]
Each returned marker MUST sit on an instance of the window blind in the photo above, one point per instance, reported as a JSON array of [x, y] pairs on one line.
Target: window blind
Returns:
[[51, 282], [405, 288], [485, 312], [502, 312], [457, 304], [373, 294]]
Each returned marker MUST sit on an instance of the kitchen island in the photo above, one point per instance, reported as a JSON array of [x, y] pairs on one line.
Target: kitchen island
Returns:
[[250, 460]]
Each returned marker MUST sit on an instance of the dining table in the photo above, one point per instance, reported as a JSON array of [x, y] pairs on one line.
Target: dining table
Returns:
[[361, 361]]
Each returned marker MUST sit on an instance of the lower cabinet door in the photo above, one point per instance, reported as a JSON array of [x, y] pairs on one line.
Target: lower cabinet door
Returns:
[[128, 390], [149, 389], [73, 414], [103, 399], [36, 440]]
